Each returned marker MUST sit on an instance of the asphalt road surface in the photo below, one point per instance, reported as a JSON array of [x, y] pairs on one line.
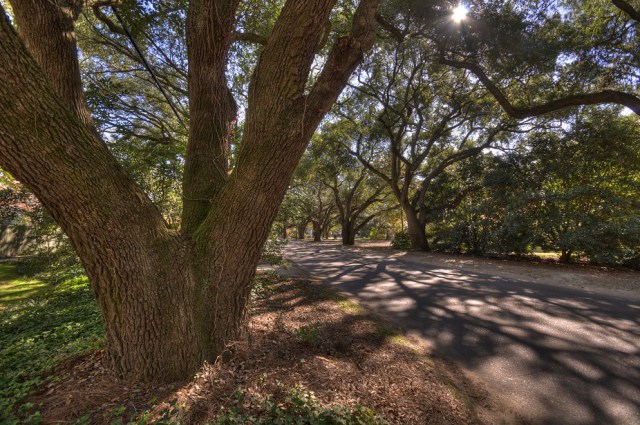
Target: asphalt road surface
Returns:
[[559, 355]]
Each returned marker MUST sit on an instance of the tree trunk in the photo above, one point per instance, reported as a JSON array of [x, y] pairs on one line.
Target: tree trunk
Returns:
[[417, 232], [301, 228], [565, 256], [348, 233], [317, 231]]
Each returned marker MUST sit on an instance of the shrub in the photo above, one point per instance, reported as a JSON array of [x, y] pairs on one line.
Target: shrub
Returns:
[[309, 333], [401, 240]]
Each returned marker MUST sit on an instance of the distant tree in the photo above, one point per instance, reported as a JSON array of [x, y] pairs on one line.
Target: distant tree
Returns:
[[420, 120], [359, 196]]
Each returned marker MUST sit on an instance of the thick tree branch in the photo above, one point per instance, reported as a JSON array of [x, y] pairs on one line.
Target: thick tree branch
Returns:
[[347, 53], [605, 96], [249, 37], [390, 28], [102, 17], [212, 109], [628, 9], [48, 30], [369, 166]]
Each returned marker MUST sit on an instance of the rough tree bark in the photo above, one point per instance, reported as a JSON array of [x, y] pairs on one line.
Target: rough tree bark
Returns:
[[47, 28], [171, 300]]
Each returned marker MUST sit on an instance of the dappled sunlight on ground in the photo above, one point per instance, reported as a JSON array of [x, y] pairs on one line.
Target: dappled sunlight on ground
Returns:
[[15, 289], [566, 355]]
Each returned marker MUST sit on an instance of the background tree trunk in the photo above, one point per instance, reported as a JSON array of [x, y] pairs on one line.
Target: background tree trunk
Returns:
[[301, 228], [416, 230], [565, 256], [348, 233], [317, 231]]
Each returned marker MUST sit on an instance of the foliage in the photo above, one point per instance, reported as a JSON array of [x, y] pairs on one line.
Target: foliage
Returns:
[[38, 334], [15, 288], [537, 51], [572, 191], [143, 131], [49, 255], [308, 333], [401, 240], [298, 407], [272, 252], [264, 284], [15, 201]]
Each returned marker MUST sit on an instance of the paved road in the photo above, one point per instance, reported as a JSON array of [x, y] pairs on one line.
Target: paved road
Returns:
[[560, 355]]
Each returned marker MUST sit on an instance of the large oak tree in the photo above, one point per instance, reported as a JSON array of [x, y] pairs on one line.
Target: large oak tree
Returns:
[[171, 299]]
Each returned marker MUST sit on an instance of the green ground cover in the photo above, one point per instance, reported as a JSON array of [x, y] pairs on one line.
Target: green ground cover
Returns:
[[15, 289], [40, 326]]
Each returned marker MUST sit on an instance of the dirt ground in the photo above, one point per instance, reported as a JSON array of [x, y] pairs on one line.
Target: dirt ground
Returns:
[[298, 335], [594, 278]]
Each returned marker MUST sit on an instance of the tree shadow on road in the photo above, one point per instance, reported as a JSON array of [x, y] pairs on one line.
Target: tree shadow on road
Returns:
[[571, 356]]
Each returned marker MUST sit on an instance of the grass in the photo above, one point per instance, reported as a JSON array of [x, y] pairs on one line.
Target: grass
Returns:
[[546, 255], [15, 289], [40, 327]]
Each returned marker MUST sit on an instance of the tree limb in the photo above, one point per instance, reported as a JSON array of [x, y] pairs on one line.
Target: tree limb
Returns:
[[390, 28], [102, 17], [605, 96], [344, 57], [628, 9]]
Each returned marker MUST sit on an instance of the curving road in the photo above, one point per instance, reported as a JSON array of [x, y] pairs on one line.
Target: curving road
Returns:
[[560, 355]]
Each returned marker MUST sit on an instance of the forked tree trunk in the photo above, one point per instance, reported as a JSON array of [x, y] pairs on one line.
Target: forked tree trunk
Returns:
[[171, 300], [417, 232]]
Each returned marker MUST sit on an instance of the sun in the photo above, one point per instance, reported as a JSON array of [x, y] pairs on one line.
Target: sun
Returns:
[[459, 13]]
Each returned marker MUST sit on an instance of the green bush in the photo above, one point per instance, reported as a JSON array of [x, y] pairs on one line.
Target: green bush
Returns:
[[401, 240]]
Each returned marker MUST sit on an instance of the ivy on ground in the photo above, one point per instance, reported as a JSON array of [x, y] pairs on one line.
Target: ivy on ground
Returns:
[[39, 333]]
